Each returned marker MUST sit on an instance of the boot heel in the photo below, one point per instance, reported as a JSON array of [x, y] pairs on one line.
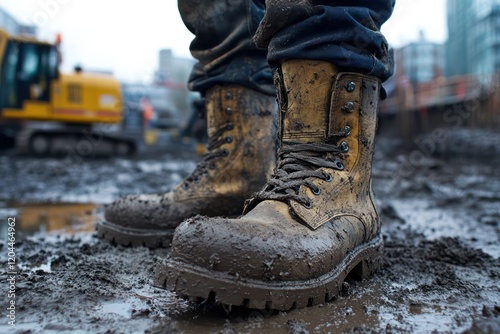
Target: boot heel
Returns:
[[366, 268]]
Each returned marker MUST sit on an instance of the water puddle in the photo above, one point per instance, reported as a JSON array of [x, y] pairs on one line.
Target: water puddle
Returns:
[[123, 309], [66, 218]]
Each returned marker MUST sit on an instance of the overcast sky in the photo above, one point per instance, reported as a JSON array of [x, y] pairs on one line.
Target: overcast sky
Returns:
[[125, 36]]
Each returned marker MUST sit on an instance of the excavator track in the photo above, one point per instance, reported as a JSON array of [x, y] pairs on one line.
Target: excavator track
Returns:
[[61, 142]]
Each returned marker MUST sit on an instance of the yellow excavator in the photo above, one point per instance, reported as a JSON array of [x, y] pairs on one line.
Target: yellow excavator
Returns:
[[72, 112]]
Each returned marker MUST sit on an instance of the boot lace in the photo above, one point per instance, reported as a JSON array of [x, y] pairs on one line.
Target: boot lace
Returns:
[[298, 163], [214, 142]]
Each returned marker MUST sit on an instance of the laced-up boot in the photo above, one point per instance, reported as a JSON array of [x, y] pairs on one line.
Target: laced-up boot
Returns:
[[241, 157], [313, 223]]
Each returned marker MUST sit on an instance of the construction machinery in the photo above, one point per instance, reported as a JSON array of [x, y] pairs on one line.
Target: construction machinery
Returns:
[[60, 112]]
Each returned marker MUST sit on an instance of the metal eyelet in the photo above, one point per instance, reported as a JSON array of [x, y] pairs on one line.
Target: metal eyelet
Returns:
[[329, 178], [225, 153], [344, 147], [316, 191], [185, 185], [348, 107], [350, 87], [340, 165], [347, 130], [229, 96], [229, 139], [230, 126], [307, 205], [229, 111]]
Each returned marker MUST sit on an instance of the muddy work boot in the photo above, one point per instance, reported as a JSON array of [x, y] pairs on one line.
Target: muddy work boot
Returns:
[[315, 221], [241, 157]]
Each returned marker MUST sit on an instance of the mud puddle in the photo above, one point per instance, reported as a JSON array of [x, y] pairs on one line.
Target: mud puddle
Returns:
[[77, 283], [441, 226]]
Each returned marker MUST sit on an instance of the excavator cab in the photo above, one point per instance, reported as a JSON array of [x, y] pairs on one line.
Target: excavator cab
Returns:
[[27, 71], [33, 89], [56, 110]]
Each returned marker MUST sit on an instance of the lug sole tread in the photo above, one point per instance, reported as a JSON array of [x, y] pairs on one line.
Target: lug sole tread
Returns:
[[188, 280], [134, 237]]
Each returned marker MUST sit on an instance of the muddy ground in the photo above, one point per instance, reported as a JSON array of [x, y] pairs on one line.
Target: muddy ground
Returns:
[[441, 274]]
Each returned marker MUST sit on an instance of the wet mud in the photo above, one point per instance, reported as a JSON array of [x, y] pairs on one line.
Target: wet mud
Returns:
[[441, 226]]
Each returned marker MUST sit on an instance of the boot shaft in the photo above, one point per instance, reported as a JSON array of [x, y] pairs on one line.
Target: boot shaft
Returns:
[[316, 101], [319, 104], [242, 143]]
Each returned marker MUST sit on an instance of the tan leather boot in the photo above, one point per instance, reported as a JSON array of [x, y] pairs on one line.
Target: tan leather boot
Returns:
[[313, 223], [241, 157]]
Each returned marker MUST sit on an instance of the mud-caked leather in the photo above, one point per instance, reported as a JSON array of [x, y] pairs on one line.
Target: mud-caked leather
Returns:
[[241, 157], [313, 223]]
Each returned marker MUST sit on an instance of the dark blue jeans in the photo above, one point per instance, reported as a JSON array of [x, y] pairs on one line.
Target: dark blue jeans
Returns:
[[227, 32]]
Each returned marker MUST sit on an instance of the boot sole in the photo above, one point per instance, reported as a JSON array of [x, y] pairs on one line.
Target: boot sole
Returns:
[[130, 237], [201, 284]]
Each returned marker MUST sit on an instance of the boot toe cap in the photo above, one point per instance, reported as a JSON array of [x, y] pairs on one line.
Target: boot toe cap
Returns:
[[137, 211], [254, 249]]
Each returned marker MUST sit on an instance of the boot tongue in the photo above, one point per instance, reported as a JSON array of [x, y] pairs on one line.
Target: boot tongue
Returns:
[[305, 99]]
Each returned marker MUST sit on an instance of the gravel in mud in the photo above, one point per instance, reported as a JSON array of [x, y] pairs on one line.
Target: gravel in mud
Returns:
[[441, 272]]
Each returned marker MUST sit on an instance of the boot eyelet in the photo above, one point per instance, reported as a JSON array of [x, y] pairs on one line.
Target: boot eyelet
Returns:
[[307, 205], [350, 87], [229, 139], [229, 96], [329, 178], [340, 165], [348, 107], [225, 153], [185, 186], [211, 166], [316, 191], [229, 111], [230, 126], [344, 147], [347, 130]]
